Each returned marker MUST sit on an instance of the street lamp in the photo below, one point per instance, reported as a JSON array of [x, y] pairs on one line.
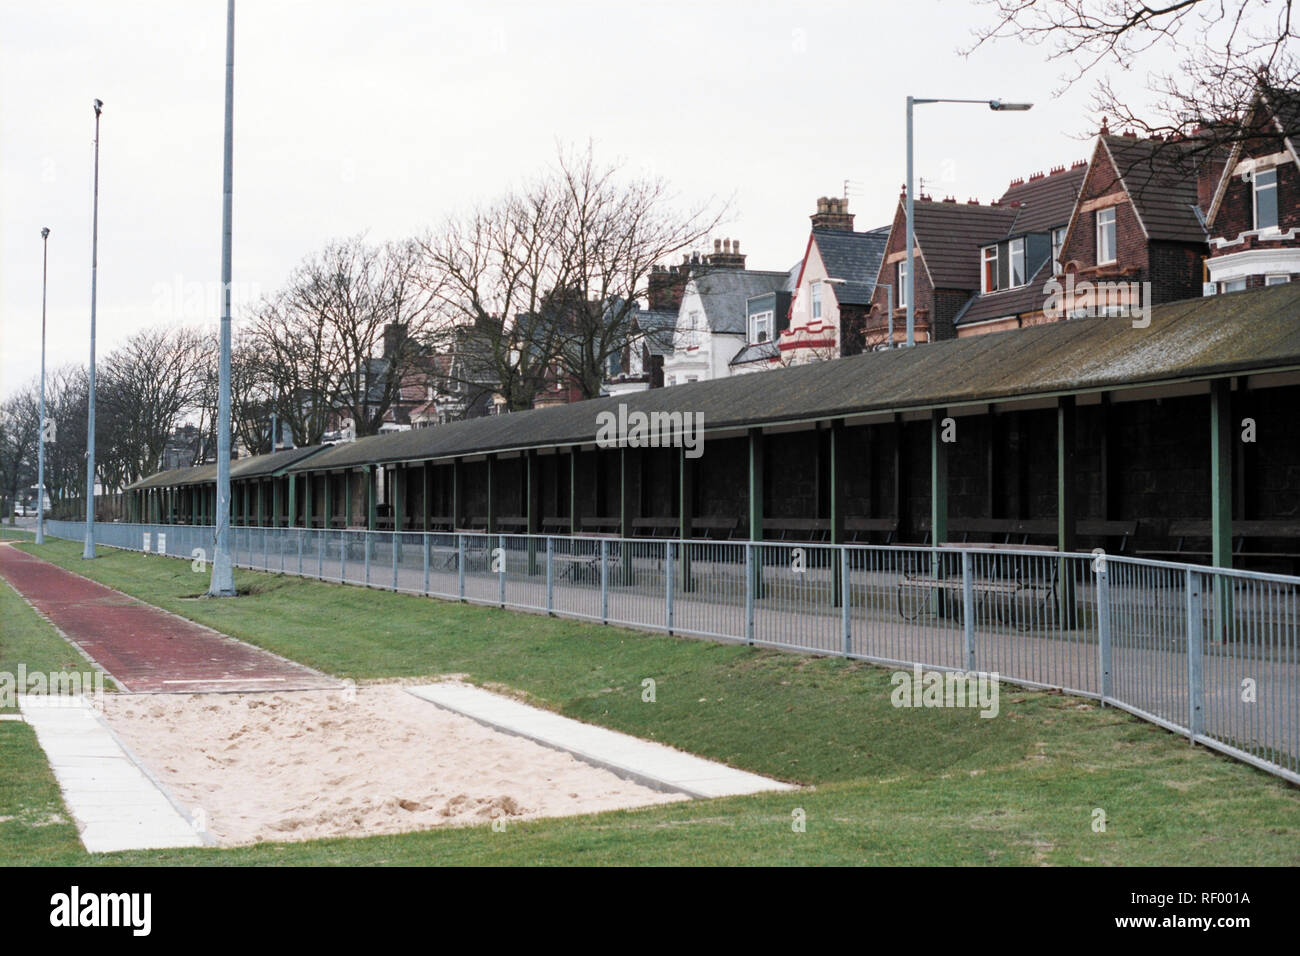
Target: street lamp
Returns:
[[223, 572], [40, 448], [89, 550], [910, 286]]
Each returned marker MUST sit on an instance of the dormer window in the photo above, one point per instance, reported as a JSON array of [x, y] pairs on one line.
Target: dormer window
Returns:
[[990, 271], [1105, 236], [1265, 199], [760, 327], [1016, 253]]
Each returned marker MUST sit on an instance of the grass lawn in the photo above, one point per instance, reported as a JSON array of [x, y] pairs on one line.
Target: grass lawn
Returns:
[[885, 785]]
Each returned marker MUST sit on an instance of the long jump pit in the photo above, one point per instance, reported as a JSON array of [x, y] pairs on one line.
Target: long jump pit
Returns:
[[257, 767]]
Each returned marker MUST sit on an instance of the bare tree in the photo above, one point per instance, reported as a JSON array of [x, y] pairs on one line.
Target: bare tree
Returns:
[[19, 433], [614, 230], [297, 352], [490, 274], [1227, 49]]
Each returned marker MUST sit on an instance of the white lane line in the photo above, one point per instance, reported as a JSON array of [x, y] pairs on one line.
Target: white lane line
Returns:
[[116, 804], [652, 764]]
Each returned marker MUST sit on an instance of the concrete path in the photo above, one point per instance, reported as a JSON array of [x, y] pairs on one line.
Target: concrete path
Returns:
[[115, 804], [146, 649], [654, 765]]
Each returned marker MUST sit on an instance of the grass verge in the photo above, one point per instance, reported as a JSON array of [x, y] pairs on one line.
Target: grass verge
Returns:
[[888, 786]]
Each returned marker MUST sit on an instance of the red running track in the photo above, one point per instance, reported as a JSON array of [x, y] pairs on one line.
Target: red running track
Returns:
[[143, 648]]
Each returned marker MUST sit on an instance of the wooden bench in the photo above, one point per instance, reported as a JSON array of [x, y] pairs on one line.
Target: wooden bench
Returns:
[[661, 527], [512, 525], [556, 525], [803, 530], [855, 528], [1005, 578], [1020, 530], [600, 527], [1242, 531]]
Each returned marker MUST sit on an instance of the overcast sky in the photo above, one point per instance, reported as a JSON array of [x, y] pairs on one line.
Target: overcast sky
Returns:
[[383, 117]]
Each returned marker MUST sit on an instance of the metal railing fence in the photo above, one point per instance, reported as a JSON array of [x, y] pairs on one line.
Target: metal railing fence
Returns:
[[1206, 652]]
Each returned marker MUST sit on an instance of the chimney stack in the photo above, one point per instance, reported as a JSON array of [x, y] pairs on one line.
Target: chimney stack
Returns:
[[726, 255], [667, 283], [832, 213]]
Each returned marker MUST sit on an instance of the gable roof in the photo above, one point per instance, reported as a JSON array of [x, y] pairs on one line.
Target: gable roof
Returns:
[[949, 235], [1159, 177], [854, 257], [723, 293], [1284, 110], [1044, 202]]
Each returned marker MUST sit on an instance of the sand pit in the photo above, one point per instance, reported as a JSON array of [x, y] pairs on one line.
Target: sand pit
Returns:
[[301, 766]]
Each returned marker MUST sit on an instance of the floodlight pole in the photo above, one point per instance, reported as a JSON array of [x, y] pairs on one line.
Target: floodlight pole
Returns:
[[910, 286], [88, 551], [40, 448], [223, 574]]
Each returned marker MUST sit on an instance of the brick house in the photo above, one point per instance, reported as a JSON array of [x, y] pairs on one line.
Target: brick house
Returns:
[[1253, 216], [1014, 269], [1138, 220], [949, 236]]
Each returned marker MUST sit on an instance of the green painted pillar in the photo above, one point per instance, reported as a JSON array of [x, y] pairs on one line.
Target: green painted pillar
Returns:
[[327, 501], [426, 495], [308, 505], [533, 501], [837, 489], [275, 502], [755, 443], [347, 499], [685, 511], [628, 460], [1221, 430], [399, 497], [1066, 471], [243, 493], [573, 489], [491, 495], [457, 494], [293, 501], [372, 504], [938, 479], [261, 515]]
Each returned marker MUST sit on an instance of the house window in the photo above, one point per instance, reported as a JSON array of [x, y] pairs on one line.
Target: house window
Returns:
[[816, 300], [901, 285], [990, 273], [1105, 236], [1016, 252], [1266, 199], [1233, 285], [1276, 280], [760, 327], [1058, 244]]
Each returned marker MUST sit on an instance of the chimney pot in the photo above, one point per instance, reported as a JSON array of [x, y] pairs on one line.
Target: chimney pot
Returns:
[[717, 245]]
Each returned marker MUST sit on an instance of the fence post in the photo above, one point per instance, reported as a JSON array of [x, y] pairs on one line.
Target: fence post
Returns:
[[604, 580], [320, 556], [968, 610], [395, 542], [846, 604], [460, 566], [343, 555], [501, 574], [1103, 628], [668, 586], [550, 575], [368, 536], [749, 593], [300, 552], [1195, 676], [424, 547]]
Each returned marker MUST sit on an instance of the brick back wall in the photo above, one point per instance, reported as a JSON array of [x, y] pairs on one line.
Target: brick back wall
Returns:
[[1236, 211]]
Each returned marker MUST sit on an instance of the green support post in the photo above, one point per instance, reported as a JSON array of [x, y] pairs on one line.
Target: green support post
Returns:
[[347, 499], [308, 505], [685, 511], [261, 515], [372, 504], [399, 497], [837, 506], [491, 495], [533, 499], [1066, 469], [426, 495], [627, 459], [573, 489], [938, 501], [1221, 429], [276, 497], [243, 494], [327, 501], [457, 495], [293, 501], [756, 507]]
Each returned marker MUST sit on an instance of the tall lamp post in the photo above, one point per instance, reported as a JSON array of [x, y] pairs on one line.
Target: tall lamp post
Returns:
[[89, 550], [223, 573], [909, 286], [40, 448]]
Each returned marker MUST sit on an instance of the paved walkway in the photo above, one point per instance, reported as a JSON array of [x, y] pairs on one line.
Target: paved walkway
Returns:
[[114, 803], [145, 649], [654, 765]]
